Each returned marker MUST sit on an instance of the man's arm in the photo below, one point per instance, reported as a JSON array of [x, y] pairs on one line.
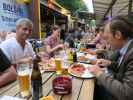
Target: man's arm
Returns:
[[7, 76], [122, 90], [121, 87]]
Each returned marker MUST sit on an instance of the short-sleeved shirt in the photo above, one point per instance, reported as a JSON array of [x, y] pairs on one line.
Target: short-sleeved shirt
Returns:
[[14, 51], [52, 42]]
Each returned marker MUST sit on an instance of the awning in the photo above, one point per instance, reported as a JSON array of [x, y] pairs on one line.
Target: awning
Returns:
[[111, 8]]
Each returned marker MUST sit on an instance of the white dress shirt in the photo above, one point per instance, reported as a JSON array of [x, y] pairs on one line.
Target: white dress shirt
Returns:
[[14, 51]]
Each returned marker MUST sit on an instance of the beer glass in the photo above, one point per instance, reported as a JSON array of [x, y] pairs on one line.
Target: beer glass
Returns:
[[58, 65], [23, 73]]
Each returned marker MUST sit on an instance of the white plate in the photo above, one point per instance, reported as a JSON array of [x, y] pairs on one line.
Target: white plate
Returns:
[[86, 73], [82, 54]]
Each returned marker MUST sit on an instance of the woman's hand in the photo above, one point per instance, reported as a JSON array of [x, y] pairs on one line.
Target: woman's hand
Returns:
[[61, 46]]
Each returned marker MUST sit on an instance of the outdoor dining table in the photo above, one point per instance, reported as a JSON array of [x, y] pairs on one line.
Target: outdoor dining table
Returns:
[[82, 89]]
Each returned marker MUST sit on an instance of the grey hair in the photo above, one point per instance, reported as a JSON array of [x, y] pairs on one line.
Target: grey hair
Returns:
[[24, 21]]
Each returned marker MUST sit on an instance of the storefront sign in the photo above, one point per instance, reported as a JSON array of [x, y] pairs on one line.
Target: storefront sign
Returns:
[[10, 12]]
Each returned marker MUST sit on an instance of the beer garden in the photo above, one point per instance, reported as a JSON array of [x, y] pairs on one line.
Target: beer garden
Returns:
[[43, 12]]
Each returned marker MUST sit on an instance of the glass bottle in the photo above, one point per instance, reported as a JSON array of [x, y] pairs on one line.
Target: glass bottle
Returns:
[[36, 80]]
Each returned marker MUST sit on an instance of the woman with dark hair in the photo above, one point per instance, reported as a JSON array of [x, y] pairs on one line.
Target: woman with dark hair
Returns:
[[52, 43], [117, 83]]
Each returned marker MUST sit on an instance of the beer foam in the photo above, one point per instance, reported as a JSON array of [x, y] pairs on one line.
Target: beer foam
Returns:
[[57, 59], [23, 73]]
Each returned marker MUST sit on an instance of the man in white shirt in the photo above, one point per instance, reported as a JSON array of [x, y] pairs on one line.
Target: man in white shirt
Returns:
[[15, 51], [17, 48]]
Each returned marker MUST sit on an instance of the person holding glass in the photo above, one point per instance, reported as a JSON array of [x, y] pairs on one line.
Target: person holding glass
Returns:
[[18, 48]]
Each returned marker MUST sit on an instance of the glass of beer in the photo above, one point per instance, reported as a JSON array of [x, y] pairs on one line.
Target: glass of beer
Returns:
[[23, 72], [58, 64]]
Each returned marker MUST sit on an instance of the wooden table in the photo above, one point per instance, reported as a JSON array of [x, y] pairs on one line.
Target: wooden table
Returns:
[[82, 89]]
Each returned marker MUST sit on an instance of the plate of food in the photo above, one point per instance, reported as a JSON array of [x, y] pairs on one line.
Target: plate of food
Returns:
[[47, 65], [83, 59], [80, 70], [86, 58]]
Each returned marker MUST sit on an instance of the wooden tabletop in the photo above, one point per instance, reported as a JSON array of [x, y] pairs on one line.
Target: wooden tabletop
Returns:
[[82, 89]]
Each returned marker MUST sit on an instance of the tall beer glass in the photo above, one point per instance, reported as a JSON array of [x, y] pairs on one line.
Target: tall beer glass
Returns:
[[23, 79], [58, 65]]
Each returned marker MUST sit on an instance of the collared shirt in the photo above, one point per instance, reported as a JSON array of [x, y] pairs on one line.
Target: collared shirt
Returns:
[[119, 55], [14, 51], [123, 51]]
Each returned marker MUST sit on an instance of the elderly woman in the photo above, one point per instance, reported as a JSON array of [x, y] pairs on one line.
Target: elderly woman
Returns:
[[52, 43]]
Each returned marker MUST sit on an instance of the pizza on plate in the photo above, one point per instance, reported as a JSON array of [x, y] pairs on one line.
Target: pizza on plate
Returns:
[[77, 69]]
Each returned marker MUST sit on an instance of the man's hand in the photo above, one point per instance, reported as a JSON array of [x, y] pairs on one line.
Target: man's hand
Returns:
[[25, 60], [103, 62], [96, 70]]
